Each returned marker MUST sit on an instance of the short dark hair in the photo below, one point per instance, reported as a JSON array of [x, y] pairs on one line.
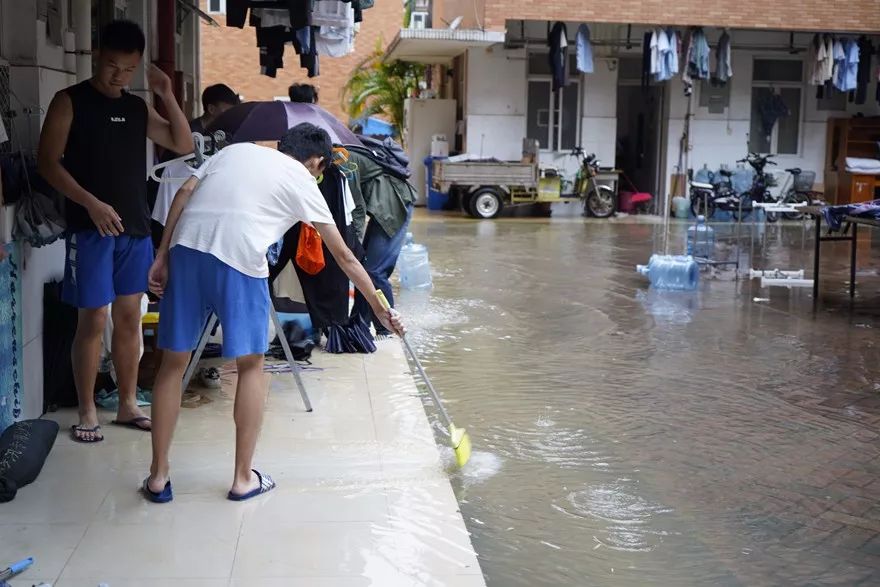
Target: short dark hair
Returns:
[[219, 94], [124, 36], [304, 141], [303, 93]]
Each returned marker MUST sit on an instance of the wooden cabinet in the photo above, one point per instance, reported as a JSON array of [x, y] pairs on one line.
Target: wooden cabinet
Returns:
[[850, 137]]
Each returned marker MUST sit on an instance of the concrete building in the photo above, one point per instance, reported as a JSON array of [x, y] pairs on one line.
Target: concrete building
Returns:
[[46, 46], [230, 56], [503, 86]]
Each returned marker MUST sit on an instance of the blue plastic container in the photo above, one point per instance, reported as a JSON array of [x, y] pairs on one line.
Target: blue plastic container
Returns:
[[437, 200], [701, 239], [671, 272], [413, 266]]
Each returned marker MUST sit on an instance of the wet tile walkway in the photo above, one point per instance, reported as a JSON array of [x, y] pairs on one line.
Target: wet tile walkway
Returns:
[[362, 499]]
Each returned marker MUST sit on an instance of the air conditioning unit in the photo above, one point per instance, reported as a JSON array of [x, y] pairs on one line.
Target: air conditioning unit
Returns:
[[418, 20]]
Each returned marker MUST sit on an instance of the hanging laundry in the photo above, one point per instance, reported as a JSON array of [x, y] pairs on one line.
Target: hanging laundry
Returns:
[[723, 68], [672, 55], [661, 51], [336, 40], [851, 69], [558, 42], [839, 56], [771, 109], [646, 60], [696, 64], [584, 50], [863, 77]]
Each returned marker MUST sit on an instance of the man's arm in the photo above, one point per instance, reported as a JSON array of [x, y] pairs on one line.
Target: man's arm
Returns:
[[158, 277], [357, 274], [174, 133], [53, 140]]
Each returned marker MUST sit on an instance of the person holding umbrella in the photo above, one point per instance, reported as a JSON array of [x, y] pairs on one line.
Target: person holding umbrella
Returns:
[[213, 258]]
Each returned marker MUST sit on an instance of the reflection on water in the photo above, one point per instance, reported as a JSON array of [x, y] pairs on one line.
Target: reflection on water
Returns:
[[629, 437]]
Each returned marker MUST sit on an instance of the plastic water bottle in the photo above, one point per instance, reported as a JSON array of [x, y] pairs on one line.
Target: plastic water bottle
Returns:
[[415, 268], [671, 272], [701, 239]]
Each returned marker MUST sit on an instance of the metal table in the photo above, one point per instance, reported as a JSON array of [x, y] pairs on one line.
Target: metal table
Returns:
[[850, 233]]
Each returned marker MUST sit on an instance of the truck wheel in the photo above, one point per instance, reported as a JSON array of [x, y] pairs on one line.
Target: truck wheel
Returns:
[[486, 203]]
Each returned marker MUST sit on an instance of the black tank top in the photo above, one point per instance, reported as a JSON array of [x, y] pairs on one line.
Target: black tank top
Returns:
[[106, 153]]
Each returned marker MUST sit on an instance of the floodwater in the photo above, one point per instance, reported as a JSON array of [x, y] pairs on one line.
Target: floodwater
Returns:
[[624, 436]]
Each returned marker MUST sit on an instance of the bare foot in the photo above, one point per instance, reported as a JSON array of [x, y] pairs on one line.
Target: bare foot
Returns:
[[156, 483], [243, 486], [134, 415], [88, 429]]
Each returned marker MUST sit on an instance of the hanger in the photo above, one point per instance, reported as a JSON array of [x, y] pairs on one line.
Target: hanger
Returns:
[[198, 155]]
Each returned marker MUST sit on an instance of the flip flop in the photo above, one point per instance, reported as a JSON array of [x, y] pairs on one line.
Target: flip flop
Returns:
[[74, 429], [266, 485], [163, 496], [134, 423]]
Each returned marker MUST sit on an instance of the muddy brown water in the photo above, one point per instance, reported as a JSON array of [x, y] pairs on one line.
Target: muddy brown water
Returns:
[[624, 436]]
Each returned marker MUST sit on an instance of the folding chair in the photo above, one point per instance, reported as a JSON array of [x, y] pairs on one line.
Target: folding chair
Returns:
[[294, 368]]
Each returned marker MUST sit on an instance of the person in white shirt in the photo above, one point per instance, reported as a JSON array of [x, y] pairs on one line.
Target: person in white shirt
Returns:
[[213, 259]]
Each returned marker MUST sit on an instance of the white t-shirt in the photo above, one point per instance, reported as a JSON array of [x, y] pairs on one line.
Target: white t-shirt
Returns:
[[173, 177], [248, 196]]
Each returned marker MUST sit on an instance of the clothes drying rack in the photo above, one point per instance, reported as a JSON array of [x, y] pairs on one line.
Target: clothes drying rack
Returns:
[[288, 354], [204, 147]]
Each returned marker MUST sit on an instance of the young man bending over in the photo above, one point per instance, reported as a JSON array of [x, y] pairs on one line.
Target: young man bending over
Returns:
[[213, 259]]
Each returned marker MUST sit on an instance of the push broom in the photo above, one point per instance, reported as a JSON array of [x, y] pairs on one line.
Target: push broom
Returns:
[[458, 437]]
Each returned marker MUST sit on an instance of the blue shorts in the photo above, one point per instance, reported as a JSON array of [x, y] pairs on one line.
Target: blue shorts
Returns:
[[198, 284], [100, 268]]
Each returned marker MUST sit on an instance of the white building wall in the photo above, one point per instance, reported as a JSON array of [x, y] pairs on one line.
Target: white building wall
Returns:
[[497, 109], [717, 139]]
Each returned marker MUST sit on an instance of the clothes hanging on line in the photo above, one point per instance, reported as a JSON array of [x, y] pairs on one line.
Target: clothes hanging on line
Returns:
[[646, 59], [863, 75], [313, 27], [723, 66], [696, 59], [557, 40], [584, 50], [771, 109]]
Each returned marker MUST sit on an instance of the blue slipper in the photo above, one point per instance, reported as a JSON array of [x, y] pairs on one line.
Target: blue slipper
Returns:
[[163, 496], [266, 485]]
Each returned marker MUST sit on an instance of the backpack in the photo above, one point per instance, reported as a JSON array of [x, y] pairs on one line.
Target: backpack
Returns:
[[388, 154]]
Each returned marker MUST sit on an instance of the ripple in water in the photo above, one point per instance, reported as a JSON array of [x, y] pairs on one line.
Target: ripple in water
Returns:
[[629, 517]]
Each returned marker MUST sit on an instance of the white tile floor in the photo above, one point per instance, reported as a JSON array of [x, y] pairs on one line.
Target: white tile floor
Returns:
[[362, 496]]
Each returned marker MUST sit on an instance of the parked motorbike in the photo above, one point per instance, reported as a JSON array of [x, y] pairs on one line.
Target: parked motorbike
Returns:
[[707, 197], [599, 200]]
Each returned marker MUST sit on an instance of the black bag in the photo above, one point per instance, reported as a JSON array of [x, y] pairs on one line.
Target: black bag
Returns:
[[59, 328], [24, 447], [301, 346], [39, 217]]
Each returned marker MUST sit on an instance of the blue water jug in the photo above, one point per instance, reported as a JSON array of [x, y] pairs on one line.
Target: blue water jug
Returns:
[[414, 266], [671, 272], [701, 239]]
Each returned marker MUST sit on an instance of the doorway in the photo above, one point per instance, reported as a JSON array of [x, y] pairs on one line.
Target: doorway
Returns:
[[639, 129]]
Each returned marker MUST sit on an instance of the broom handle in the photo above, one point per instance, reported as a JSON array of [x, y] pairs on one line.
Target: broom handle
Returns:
[[421, 369]]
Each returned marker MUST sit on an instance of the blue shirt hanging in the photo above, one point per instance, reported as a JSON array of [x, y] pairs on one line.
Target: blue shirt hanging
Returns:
[[584, 50]]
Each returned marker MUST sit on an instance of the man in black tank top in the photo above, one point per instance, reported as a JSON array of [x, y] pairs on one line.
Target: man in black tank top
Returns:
[[93, 149]]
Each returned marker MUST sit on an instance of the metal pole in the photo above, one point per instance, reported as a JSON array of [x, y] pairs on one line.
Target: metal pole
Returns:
[[852, 260], [197, 355], [294, 368]]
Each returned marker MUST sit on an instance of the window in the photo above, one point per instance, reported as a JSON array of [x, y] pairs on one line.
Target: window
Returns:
[[553, 119], [777, 86], [217, 6]]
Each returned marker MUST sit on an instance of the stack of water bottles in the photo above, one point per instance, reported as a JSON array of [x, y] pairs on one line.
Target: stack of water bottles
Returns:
[[414, 266]]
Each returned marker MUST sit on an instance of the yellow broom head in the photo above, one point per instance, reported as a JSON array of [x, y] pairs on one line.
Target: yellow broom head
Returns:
[[461, 444]]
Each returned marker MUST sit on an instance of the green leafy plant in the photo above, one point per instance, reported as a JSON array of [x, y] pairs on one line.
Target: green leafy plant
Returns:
[[379, 87]]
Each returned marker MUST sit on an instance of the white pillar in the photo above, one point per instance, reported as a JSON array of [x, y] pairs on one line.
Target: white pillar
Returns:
[[81, 21]]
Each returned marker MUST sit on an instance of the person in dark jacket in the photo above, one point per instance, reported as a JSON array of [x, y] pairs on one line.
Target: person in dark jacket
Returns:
[[382, 193]]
